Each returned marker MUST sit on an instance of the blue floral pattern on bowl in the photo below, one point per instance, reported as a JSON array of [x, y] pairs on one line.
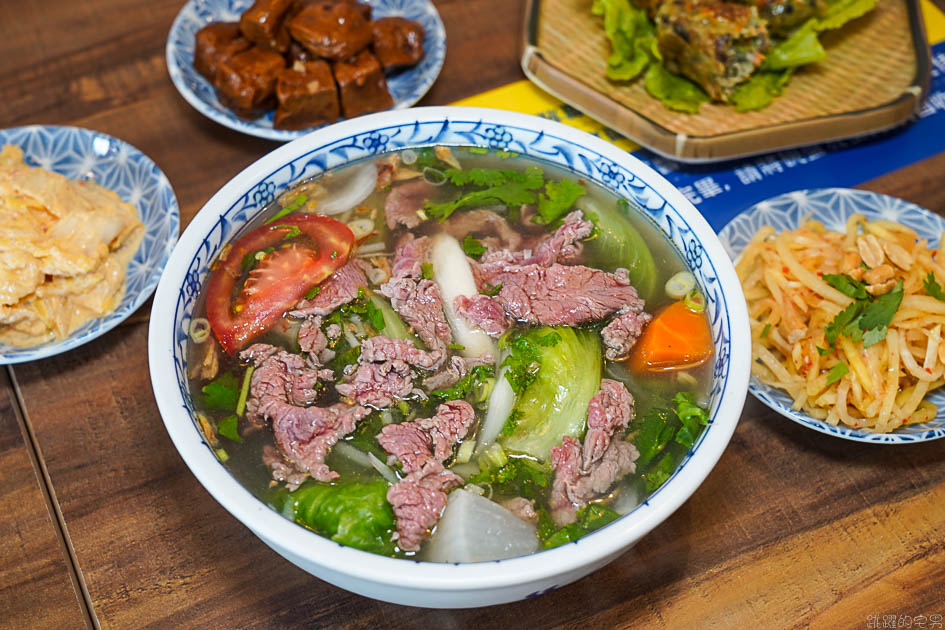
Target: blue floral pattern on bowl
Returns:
[[832, 207], [90, 155], [584, 162], [406, 87]]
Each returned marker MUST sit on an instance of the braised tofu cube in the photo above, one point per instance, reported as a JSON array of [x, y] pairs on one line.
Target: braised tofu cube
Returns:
[[214, 44], [397, 42], [361, 85], [333, 30], [264, 23], [246, 83], [717, 44], [307, 96]]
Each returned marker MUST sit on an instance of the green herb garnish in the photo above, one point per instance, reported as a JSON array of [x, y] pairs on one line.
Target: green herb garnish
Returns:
[[846, 285], [496, 187], [491, 289], [933, 288], [472, 381], [866, 319], [222, 393], [292, 207], [557, 199], [311, 293], [229, 428], [837, 372], [473, 247], [765, 330], [589, 518], [524, 359], [375, 316], [292, 233], [426, 270]]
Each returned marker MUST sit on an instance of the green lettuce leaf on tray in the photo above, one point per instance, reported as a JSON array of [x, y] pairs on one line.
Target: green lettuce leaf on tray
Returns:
[[758, 91], [629, 30], [675, 92], [633, 50], [839, 12]]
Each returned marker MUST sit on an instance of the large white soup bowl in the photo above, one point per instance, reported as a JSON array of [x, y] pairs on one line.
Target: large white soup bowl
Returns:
[[422, 583]]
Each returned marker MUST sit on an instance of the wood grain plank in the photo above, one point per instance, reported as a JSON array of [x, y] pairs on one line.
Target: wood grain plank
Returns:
[[35, 586], [792, 528], [807, 521]]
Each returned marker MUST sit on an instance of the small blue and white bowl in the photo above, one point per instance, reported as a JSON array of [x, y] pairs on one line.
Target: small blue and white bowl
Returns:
[[423, 583], [832, 207], [406, 87], [83, 154]]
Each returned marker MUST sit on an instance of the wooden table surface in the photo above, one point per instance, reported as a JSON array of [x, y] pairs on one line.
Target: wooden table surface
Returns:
[[101, 524]]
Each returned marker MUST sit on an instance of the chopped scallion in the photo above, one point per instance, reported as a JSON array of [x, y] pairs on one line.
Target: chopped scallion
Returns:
[[292, 207], [244, 391]]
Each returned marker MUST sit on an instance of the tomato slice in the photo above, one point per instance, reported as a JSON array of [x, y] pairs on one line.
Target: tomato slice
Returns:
[[307, 248]]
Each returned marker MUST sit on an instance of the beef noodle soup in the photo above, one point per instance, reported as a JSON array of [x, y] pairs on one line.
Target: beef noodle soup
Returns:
[[453, 355]]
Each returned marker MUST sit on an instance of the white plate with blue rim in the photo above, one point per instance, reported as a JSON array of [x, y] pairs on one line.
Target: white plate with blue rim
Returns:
[[406, 87], [83, 154], [832, 207]]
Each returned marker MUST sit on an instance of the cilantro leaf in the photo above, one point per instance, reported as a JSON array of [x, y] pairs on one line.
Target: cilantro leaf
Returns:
[[519, 476], [846, 285], [222, 393], [511, 423], [692, 416], [229, 428], [874, 335], [933, 288], [491, 289], [837, 372], [589, 518], [557, 199], [311, 293], [473, 247], [505, 187], [471, 382], [881, 311], [524, 359], [841, 321], [426, 270], [375, 316]]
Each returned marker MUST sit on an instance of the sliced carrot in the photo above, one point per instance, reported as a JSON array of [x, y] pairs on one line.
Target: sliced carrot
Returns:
[[677, 338]]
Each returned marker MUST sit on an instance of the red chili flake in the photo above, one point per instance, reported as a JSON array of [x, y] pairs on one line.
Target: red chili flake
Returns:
[[820, 274], [929, 370], [784, 269]]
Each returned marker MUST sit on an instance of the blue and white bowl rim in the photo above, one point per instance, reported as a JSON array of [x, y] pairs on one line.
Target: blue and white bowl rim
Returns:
[[350, 140]]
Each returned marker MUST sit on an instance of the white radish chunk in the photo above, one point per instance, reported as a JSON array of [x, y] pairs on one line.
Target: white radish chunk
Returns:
[[475, 529], [500, 404], [453, 275]]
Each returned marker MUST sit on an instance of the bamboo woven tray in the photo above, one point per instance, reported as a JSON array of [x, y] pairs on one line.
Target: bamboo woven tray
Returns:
[[874, 78]]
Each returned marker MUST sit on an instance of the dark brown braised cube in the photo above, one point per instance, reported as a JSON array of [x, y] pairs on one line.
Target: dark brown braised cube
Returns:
[[333, 30], [397, 42], [307, 96], [361, 85], [214, 44], [264, 23], [246, 83]]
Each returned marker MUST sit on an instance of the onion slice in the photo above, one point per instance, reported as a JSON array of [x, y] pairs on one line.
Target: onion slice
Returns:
[[347, 191]]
